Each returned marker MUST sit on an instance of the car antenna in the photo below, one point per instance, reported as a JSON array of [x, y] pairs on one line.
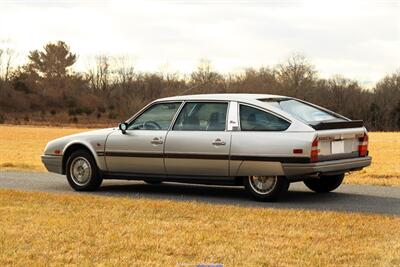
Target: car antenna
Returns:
[[193, 87]]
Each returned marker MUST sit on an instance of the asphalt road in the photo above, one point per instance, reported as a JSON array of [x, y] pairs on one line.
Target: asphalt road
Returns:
[[348, 198]]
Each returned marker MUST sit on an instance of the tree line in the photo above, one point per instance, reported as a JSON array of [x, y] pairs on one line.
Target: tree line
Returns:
[[46, 89]]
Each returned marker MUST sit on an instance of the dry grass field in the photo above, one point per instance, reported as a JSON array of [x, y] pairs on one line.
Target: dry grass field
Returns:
[[21, 147], [384, 148], [45, 229]]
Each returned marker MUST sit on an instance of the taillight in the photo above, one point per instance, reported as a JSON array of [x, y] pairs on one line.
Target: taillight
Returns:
[[363, 146], [314, 150]]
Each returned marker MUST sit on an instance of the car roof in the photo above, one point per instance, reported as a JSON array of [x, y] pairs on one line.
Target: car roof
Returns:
[[229, 97]]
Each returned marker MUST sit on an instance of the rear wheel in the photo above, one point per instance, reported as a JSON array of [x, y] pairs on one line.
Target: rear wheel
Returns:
[[325, 184], [266, 188], [82, 172]]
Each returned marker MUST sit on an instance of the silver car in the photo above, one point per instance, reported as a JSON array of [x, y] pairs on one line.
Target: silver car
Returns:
[[261, 141]]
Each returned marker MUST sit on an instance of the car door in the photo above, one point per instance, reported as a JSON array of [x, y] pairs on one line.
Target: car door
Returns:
[[262, 143], [198, 144], [140, 149]]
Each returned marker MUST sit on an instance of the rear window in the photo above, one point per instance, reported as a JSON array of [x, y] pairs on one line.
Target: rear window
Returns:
[[302, 111]]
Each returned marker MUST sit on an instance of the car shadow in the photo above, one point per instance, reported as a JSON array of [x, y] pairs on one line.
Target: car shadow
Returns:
[[347, 198], [298, 198]]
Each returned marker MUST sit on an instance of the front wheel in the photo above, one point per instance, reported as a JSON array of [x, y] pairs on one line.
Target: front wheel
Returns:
[[266, 188], [82, 172], [325, 184]]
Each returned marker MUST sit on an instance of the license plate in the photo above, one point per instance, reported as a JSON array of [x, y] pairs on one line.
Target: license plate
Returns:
[[337, 147]]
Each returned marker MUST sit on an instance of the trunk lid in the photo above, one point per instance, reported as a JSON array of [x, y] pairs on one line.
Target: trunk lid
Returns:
[[339, 143]]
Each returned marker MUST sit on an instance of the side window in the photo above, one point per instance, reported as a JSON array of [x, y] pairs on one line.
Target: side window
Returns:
[[202, 116], [157, 117], [252, 119]]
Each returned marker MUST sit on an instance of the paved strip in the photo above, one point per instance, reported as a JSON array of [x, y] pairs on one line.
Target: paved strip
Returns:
[[347, 198]]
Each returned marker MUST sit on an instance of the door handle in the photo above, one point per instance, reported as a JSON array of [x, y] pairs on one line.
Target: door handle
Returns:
[[156, 141], [218, 142]]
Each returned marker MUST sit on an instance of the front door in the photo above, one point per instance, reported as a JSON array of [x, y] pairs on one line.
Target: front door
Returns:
[[140, 149], [198, 144]]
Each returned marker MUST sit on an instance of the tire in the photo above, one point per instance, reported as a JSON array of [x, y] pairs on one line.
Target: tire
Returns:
[[90, 179], [325, 184], [153, 182], [275, 188]]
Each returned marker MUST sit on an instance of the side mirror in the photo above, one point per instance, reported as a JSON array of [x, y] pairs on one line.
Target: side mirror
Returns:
[[123, 126]]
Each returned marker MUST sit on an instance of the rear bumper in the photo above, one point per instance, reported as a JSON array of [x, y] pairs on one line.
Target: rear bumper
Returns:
[[326, 167], [53, 163]]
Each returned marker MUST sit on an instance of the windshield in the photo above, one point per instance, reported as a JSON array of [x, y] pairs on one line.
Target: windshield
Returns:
[[302, 111]]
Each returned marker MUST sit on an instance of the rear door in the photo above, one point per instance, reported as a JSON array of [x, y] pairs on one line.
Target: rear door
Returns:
[[199, 143], [263, 143]]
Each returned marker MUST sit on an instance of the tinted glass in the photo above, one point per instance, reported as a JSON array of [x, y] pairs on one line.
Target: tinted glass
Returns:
[[157, 117], [200, 116], [252, 119], [302, 111]]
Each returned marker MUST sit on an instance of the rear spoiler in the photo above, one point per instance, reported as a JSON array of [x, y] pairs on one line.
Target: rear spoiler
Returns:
[[337, 125]]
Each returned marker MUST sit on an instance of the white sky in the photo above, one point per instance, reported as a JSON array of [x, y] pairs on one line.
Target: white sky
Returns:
[[358, 39]]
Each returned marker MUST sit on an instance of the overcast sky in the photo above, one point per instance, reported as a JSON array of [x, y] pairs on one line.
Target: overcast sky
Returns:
[[358, 39]]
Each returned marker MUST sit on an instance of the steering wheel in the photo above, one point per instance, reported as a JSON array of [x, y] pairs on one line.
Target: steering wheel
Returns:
[[152, 123]]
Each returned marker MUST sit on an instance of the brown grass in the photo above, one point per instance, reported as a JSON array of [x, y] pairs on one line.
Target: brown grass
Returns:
[[21, 147], [45, 229], [384, 147]]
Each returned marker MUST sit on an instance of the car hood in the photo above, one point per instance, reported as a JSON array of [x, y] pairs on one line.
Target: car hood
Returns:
[[98, 132], [89, 137]]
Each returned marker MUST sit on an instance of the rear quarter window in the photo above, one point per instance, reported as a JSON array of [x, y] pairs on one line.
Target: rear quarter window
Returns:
[[253, 119]]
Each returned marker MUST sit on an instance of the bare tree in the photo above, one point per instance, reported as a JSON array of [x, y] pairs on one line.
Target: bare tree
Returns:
[[7, 56], [123, 70], [99, 75], [387, 101], [204, 74], [296, 75]]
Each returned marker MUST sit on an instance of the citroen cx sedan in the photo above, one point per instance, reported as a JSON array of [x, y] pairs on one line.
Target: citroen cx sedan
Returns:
[[259, 141]]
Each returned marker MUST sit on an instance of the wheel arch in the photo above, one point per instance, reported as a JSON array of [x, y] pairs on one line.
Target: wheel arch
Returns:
[[257, 168], [74, 146]]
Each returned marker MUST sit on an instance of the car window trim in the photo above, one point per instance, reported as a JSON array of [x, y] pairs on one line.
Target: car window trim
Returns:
[[232, 117], [147, 107], [201, 101], [263, 110], [171, 126]]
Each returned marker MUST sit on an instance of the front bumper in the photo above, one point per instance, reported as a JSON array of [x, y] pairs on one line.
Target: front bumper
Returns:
[[53, 163], [326, 167]]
